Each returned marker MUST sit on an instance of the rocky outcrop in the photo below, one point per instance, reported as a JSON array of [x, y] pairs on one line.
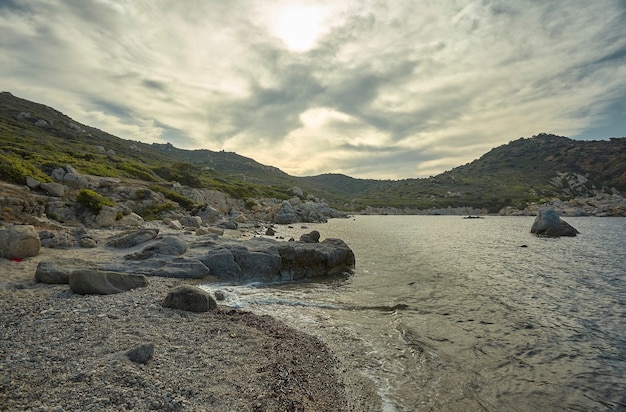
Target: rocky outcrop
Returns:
[[549, 223], [97, 282], [68, 238], [189, 298], [19, 241]]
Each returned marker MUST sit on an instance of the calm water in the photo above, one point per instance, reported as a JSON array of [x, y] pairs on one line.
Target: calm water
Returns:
[[445, 313]]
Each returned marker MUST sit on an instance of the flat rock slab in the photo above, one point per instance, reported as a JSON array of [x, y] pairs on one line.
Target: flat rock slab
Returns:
[[97, 282], [129, 239], [58, 272]]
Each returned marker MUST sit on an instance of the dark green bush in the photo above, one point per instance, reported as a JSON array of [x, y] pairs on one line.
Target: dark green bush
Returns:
[[92, 200], [183, 201]]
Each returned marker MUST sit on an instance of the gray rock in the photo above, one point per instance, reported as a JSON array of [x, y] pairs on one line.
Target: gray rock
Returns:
[[19, 241], [32, 182], [189, 298], [307, 260], [183, 268], [549, 223], [221, 263], [127, 240], [286, 214], [96, 282], [228, 225], [54, 189], [141, 353], [132, 219], [169, 245], [107, 216], [58, 272], [313, 237]]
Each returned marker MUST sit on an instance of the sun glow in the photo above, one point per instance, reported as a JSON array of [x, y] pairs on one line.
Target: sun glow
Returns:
[[300, 28]]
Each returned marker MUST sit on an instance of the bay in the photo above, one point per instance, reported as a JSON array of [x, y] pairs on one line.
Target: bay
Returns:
[[444, 313]]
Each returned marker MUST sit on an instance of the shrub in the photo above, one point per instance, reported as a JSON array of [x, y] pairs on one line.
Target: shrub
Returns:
[[16, 170], [183, 201], [92, 200]]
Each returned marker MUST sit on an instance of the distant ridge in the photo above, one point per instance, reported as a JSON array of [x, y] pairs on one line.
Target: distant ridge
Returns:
[[34, 138]]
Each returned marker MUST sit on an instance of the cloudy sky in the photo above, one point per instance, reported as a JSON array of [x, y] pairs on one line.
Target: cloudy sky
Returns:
[[376, 89]]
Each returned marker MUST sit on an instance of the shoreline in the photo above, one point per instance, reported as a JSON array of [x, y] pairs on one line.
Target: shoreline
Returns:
[[62, 351]]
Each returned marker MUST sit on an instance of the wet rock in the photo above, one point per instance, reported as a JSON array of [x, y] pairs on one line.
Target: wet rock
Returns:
[[19, 241], [96, 282], [183, 269], [307, 260], [189, 298], [549, 223]]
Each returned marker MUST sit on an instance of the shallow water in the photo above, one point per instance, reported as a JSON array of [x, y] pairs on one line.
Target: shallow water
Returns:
[[454, 314]]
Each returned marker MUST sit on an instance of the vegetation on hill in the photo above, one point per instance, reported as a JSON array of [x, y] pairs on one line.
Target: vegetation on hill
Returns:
[[35, 139]]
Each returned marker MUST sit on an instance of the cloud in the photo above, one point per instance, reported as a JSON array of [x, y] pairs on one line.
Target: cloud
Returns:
[[366, 88]]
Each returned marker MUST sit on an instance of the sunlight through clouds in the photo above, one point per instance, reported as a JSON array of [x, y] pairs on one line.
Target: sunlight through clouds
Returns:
[[366, 88]]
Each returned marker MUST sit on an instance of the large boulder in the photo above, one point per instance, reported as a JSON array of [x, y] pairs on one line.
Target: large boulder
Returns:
[[302, 260], [189, 298], [19, 241], [549, 223], [96, 282], [286, 214]]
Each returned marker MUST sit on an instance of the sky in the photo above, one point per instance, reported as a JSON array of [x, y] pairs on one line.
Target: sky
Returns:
[[371, 89]]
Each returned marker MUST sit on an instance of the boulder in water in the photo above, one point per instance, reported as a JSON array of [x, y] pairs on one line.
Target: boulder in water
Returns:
[[549, 223]]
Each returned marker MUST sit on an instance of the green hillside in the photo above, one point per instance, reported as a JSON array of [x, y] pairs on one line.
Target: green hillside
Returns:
[[34, 139]]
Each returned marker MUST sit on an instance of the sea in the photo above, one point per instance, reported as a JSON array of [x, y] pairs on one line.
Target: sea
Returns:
[[448, 314]]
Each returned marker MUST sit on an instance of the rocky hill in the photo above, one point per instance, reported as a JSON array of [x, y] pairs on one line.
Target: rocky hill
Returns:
[[54, 155]]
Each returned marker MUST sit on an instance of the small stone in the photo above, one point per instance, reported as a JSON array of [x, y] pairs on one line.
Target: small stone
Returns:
[[141, 353]]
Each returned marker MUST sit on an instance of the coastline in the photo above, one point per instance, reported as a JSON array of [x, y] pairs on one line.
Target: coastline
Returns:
[[62, 351]]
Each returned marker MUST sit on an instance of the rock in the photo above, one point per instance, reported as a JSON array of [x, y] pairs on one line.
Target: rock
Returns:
[[219, 295], [132, 219], [191, 221], [228, 225], [169, 245], [270, 232], [96, 282], [60, 211], [286, 215], [19, 241], [129, 239], [313, 237], [32, 182], [241, 218], [189, 298], [64, 239], [107, 216], [221, 263], [183, 269], [54, 189], [208, 214], [141, 353], [306, 260], [549, 223], [49, 272], [175, 224]]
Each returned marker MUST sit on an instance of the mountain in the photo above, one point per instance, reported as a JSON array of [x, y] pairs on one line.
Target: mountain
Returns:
[[34, 139]]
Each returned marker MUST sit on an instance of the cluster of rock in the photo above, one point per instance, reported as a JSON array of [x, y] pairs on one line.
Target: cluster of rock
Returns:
[[57, 200], [599, 204], [448, 211], [151, 254]]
